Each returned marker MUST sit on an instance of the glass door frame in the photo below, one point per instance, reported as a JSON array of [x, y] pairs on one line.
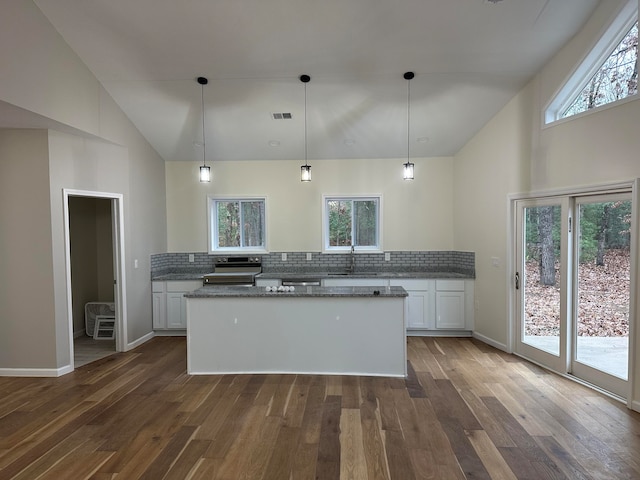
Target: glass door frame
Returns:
[[558, 363], [581, 370], [563, 364]]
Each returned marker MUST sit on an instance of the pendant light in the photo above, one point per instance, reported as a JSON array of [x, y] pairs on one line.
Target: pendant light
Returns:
[[205, 171], [408, 167], [305, 170]]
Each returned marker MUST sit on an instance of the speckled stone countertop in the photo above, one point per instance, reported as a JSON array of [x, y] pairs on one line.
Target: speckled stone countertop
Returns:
[[225, 291], [168, 276], [321, 275], [197, 275]]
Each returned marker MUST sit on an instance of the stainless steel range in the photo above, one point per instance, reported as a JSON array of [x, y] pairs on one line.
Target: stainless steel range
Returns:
[[234, 270]]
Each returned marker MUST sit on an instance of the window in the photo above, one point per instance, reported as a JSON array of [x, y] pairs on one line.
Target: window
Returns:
[[351, 221], [237, 224], [608, 73]]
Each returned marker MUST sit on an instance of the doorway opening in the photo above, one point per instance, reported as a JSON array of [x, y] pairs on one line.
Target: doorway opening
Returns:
[[95, 293]]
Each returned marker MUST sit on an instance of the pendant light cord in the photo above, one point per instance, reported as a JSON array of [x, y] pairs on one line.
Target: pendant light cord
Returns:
[[204, 143], [305, 124], [408, 116]]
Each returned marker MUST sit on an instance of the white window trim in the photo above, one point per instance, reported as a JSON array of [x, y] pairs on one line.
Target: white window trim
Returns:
[[609, 38], [325, 224], [212, 225]]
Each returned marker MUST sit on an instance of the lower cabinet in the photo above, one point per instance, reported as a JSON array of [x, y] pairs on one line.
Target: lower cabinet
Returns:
[[169, 304], [433, 307], [419, 302]]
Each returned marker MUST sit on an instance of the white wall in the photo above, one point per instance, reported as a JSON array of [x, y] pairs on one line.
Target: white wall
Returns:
[[417, 215], [47, 78], [514, 153], [27, 329]]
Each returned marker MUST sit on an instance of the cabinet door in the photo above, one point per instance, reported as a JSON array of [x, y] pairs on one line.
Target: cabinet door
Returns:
[[450, 310], [417, 309], [159, 311], [176, 310]]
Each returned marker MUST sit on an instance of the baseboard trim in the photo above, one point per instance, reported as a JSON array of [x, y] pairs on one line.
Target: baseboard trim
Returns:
[[139, 341], [35, 372], [79, 333], [635, 405], [439, 333], [490, 341]]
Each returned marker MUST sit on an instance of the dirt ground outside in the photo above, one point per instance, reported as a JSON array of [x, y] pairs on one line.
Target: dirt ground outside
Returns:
[[603, 299]]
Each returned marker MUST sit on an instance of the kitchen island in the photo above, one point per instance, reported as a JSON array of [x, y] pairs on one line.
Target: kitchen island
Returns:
[[315, 330]]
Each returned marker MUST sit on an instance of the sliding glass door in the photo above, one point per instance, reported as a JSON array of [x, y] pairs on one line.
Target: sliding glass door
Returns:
[[572, 285], [602, 294], [540, 281]]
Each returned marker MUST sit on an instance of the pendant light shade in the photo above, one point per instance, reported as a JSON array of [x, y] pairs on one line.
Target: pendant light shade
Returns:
[[305, 170], [408, 167], [205, 171]]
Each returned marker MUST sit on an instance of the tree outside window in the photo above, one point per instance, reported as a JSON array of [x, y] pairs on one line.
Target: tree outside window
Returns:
[[237, 224], [616, 79], [352, 221]]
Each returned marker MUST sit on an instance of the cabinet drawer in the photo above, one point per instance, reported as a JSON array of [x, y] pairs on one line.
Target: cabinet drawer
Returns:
[[157, 287], [450, 285]]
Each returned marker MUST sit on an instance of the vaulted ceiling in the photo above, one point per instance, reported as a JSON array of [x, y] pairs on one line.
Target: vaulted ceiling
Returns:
[[469, 57]]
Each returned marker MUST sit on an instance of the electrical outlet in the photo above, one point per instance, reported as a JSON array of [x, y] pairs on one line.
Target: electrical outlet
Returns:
[[495, 262], [284, 257], [192, 258], [387, 256], [309, 256]]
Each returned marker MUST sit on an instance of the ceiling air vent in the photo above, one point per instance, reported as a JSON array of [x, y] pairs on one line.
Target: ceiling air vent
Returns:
[[281, 116]]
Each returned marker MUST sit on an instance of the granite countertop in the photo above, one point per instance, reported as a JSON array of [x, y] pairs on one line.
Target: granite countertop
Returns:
[[224, 291], [178, 276], [197, 275], [321, 275]]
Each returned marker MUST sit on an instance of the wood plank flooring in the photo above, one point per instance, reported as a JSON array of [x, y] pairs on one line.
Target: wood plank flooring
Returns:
[[466, 410]]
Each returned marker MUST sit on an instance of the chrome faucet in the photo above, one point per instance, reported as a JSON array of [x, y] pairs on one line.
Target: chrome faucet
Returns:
[[352, 268]]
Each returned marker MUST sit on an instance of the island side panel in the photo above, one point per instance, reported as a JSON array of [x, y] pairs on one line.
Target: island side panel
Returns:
[[334, 335]]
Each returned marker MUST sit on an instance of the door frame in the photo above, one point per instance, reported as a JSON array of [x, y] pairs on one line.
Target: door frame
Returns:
[[120, 300], [554, 362], [634, 303]]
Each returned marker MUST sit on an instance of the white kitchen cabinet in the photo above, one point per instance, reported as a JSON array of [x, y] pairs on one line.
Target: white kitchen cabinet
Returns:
[[450, 305], [169, 304], [419, 304], [159, 306]]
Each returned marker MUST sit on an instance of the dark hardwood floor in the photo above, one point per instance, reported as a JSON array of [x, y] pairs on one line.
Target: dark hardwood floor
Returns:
[[465, 411]]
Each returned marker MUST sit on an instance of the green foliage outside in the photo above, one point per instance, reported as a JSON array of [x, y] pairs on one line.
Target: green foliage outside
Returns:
[[234, 214], [611, 220], [352, 222]]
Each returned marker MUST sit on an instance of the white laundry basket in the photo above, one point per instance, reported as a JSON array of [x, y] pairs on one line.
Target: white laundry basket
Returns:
[[94, 309]]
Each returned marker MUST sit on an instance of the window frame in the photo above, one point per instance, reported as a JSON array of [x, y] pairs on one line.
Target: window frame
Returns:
[[326, 248], [212, 225], [607, 41]]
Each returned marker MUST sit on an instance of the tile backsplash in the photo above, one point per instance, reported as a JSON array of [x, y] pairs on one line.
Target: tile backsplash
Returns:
[[411, 261]]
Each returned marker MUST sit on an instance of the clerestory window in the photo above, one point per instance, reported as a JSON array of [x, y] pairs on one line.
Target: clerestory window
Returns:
[[609, 72]]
